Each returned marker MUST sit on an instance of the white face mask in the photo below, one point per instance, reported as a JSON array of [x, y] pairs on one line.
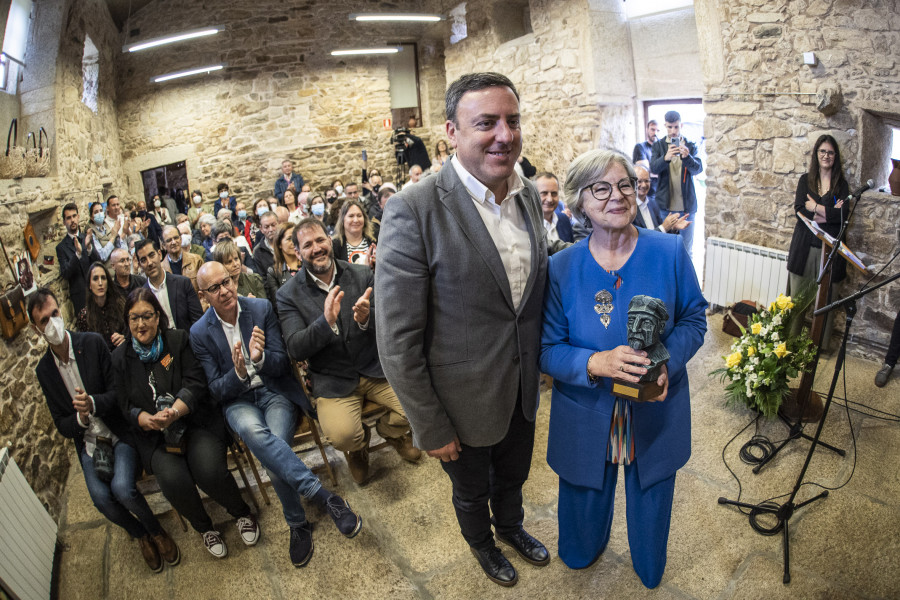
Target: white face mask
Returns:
[[186, 240], [55, 331], [197, 199], [273, 206], [157, 203], [339, 189], [223, 195]]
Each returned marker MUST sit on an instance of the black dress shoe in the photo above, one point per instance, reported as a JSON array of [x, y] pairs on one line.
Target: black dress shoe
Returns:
[[496, 566], [528, 548]]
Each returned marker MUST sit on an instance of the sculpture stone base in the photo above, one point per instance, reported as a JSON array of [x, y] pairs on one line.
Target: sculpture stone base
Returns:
[[639, 392]]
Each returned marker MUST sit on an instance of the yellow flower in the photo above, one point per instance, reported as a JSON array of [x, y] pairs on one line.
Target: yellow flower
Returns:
[[755, 328], [751, 350], [771, 307], [733, 359], [784, 302], [781, 350]]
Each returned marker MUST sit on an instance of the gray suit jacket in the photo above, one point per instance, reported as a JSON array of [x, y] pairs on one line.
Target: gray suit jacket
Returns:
[[453, 346]]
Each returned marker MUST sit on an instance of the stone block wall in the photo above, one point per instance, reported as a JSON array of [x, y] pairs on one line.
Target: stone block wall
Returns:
[[86, 160], [553, 70], [282, 94], [761, 127]]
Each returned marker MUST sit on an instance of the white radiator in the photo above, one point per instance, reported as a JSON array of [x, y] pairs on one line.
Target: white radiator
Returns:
[[737, 271], [27, 536]]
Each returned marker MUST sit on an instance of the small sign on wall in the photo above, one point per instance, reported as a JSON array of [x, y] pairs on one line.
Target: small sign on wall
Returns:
[[387, 123]]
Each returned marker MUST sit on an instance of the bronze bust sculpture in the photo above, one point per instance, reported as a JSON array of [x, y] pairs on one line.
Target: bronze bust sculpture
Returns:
[[647, 318]]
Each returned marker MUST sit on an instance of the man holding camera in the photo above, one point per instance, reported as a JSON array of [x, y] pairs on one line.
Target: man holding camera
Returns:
[[675, 161]]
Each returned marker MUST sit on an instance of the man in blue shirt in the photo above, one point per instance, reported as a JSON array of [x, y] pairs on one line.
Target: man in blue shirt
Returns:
[[288, 181]]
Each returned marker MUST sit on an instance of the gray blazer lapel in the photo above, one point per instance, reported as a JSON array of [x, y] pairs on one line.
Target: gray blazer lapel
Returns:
[[456, 198]]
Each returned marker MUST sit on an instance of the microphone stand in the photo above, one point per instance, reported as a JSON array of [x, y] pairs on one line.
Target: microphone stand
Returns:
[[795, 430]]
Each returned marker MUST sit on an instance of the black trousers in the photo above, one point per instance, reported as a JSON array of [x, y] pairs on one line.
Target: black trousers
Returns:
[[489, 479], [894, 346], [203, 464]]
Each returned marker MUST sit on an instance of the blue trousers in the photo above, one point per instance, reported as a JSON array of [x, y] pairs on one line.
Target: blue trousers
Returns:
[[586, 515], [266, 421], [119, 500], [687, 234]]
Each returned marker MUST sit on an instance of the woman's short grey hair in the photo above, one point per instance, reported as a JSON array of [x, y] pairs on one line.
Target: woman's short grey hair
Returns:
[[588, 168], [206, 218]]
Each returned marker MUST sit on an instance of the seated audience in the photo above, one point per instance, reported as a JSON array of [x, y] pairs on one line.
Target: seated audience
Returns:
[[238, 342], [75, 253], [175, 293], [225, 200], [105, 237], [76, 377], [247, 283], [558, 227], [203, 233], [340, 347], [178, 261], [223, 230], [286, 262], [288, 180], [103, 311], [179, 434], [125, 280], [354, 241], [264, 251]]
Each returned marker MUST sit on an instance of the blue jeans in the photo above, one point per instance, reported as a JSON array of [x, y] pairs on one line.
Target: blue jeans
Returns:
[[266, 421], [687, 234], [119, 500]]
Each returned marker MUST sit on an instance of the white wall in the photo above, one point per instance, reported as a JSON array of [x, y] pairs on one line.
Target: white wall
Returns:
[[667, 55]]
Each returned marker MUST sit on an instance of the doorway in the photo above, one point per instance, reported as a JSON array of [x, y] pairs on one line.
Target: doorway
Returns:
[[167, 180], [692, 116]]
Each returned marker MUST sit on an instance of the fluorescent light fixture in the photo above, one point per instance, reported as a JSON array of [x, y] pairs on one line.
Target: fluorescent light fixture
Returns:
[[201, 70], [171, 39], [411, 17], [391, 50]]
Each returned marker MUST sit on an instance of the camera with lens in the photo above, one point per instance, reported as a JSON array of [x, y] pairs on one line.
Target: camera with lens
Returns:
[[398, 139], [174, 433]]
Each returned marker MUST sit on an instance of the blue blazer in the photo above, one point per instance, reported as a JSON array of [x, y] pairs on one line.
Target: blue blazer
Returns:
[[213, 351], [581, 411], [183, 300], [564, 228]]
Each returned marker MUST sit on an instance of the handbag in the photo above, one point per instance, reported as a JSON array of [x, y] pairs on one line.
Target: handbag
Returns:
[[37, 158], [737, 316], [12, 163]]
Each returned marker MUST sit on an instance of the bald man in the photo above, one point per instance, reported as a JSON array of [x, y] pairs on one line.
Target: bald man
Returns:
[[238, 342], [648, 215]]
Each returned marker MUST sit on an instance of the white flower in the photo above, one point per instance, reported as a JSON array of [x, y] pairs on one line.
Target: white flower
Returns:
[[775, 336], [776, 320]]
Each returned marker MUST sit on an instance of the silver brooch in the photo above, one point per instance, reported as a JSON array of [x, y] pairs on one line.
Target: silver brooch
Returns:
[[604, 306]]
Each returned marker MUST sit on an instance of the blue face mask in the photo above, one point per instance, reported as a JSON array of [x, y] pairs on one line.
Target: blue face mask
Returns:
[[261, 211], [242, 214], [318, 209], [99, 218]]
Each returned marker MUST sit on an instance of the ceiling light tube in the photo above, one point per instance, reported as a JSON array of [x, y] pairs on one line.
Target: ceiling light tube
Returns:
[[171, 39], [413, 17], [201, 70], [391, 50]]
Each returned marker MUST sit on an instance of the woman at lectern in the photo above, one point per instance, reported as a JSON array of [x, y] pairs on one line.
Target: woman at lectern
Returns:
[[820, 197], [584, 347]]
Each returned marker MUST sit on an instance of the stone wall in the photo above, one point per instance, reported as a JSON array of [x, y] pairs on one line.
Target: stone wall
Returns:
[[761, 127], [85, 163], [282, 94], [562, 88]]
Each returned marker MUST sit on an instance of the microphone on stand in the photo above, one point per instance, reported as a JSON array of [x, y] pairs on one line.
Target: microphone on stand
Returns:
[[859, 192]]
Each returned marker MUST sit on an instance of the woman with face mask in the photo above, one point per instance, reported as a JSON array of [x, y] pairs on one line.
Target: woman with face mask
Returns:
[[103, 235], [224, 200], [260, 207], [196, 208], [161, 212], [317, 209]]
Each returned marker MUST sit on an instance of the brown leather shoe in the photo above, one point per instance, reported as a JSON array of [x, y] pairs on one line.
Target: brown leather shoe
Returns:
[[358, 460], [150, 554], [168, 550], [404, 447]]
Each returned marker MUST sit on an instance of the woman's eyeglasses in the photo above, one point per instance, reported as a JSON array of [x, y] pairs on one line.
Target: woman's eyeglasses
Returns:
[[602, 190]]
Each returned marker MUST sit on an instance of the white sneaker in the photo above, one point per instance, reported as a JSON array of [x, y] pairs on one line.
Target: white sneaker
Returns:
[[249, 529], [215, 544]]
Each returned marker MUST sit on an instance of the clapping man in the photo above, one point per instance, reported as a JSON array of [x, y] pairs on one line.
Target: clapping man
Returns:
[[75, 253]]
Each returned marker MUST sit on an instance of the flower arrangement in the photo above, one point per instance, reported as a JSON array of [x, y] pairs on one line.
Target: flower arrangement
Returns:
[[765, 358]]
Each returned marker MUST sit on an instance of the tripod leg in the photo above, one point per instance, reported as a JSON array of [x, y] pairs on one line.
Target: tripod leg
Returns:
[[838, 451], [787, 553], [813, 499]]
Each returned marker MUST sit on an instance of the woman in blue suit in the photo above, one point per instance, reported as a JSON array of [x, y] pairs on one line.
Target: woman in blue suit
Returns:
[[584, 348]]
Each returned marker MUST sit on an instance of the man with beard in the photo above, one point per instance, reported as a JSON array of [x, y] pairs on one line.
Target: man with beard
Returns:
[[643, 151], [340, 347]]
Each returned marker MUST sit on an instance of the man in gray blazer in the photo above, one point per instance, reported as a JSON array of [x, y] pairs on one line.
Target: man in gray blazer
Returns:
[[462, 261]]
